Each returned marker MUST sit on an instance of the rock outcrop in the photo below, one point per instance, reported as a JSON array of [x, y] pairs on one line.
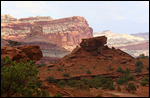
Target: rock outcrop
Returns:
[[36, 37], [7, 18], [66, 32], [25, 53], [92, 50]]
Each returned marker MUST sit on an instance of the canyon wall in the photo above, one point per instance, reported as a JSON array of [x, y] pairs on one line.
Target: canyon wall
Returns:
[[66, 32]]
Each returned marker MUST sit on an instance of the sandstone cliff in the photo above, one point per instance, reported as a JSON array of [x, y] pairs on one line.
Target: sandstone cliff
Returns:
[[25, 53], [36, 37], [66, 32]]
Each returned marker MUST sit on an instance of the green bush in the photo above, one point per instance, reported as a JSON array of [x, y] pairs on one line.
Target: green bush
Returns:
[[108, 84], [121, 80], [143, 83], [60, 69], [51, 79], [145, 79], [66, 74], [147, 68], [131, 87], [57, 95], [72, 83], [61, 83], [120, 70], [142, 56], [39, 84], [139, 64], [13, 43], [118, 88], [88, 72], [19, 78], [80, 85], [138, 69], [129, 77]]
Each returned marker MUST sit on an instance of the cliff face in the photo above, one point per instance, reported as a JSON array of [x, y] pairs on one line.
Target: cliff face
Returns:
[[36, 37], [66, 32], [25, 53]]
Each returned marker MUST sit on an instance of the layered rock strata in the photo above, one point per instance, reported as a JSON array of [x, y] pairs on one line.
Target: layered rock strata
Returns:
[[66, 32], [49, 49]]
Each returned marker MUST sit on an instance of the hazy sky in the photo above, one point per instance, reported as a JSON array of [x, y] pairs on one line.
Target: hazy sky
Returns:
[[117, 16]]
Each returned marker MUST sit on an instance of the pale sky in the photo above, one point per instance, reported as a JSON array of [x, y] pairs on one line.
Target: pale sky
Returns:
[[116, 16]]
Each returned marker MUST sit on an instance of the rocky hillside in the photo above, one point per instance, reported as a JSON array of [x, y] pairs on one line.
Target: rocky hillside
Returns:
[[142, 35], [118, 39], [66, 32], [93, 52], [134, 45]]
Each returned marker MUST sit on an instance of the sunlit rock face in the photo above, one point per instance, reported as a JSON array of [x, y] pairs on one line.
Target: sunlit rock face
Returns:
[[66, 32], [28, 52]]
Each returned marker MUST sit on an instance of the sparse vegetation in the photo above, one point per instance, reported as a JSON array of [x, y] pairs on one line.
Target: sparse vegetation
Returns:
[[66, 74], [120, 70], [131, 87], [61, 83], [13, 43], [60, 69], [50, 79], [20, 78], [144, 81], [88, 72], [147, 68], [142, 56], [118, 88]]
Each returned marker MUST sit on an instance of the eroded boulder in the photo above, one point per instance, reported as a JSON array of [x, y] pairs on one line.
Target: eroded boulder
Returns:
[[28, 52]]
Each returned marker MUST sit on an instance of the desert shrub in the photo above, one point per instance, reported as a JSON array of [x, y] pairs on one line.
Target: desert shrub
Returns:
[[129, 77], [95, 82], [147, 68], [19, 78], [13, 43], [142, 56], [121, 81], [99, 95], [66, 74], [57, 95], [120, 70], [143, 83], [118, 88], [40, 65], [72, 83], [51, 79], [39, 84], [139, 64], [80, 85], [145, 79], [32, 91], [61, 83], [138, 69], [127, 71], [60, 69], [88, 72], [108, 84], [131, 87]]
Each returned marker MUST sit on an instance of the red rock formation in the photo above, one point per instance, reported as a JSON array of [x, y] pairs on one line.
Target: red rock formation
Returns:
[[66, 32], [24, 53], [95, 50]]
